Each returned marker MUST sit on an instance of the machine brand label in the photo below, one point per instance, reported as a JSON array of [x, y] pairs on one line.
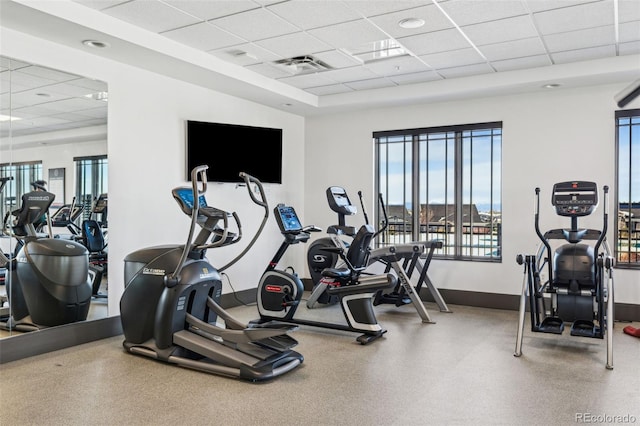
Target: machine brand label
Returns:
[[22, 259], [319, 258], [153, 271], [273, 288], [69, 246], [206, 274]]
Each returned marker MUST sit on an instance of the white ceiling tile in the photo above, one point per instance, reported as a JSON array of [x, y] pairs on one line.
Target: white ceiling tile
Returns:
[[151, 15], [268, 70], [350, 74], [631, 48], [89, 83], [48, 73], [435, 42], [629, 31], [373, 8], [206, 10], [295, 44], [453, 58], [314, 14], [255, 25], [203, 36], [522, 63], [337, 59], [12, 64], [349, 34], [583, 54], [399, 65], [572, 40], [245, 54], [329, 90], [501, 30], [575, 17], [100, 112], [307, 80], [513, 49], [72, 105], [375, 83], [434, 19], [542, 5], [628, 10], [28, 81], [100, 4], [35, 97], [418, 77], [466, 70], [466, 12]]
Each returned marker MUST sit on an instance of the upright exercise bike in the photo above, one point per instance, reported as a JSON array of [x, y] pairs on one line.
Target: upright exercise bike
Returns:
[[280, 292], [170, 305], [580, 271]]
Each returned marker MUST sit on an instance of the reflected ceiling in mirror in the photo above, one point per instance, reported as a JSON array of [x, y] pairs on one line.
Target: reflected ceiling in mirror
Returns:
[[36, 99]]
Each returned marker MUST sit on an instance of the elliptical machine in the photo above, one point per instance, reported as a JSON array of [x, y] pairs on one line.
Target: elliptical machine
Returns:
[[171, 300], [47, 282], [280, 292], [580, 276]]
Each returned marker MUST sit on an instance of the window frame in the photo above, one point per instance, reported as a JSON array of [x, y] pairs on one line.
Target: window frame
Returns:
[[99, 181], [631, 113], [414, 137]]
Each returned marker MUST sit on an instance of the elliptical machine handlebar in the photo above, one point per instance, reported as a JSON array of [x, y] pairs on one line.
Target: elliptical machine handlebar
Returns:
[[248, 180], [603, 234], [262, 202], [197, 172]]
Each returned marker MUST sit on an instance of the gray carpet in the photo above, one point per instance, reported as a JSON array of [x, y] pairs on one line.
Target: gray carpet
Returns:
[[458, 371]]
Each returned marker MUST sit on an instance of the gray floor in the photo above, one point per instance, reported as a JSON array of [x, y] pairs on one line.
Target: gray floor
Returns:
[[458, 371]]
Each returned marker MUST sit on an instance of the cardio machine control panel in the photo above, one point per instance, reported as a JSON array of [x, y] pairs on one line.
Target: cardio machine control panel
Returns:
[[574, 198], [184, 197], [287, 219]]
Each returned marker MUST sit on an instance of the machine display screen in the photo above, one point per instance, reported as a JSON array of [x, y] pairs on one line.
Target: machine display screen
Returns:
[[288, 219], [186, 195]]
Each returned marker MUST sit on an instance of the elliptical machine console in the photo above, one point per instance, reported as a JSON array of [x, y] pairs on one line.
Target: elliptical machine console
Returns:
[[579, 287]]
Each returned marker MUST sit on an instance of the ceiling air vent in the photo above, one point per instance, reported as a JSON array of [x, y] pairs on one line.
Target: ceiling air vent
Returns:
[[302, 65]]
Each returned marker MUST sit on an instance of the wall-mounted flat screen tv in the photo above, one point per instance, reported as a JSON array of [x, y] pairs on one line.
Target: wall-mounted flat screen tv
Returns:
[[229, 149]]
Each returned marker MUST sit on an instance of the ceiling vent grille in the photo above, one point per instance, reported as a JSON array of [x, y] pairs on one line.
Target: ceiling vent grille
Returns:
[[302, 65]]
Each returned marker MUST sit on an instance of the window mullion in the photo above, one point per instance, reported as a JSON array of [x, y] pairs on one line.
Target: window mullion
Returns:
[[458, 195]]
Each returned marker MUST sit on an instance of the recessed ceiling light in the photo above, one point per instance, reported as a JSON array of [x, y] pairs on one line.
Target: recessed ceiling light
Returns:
[[95, 44], [411, 23], [551, 86]]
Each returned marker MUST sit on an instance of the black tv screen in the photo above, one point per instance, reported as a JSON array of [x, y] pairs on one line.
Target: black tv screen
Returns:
[[229, 149]]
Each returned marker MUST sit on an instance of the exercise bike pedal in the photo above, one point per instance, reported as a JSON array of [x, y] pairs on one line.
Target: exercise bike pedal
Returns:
[[583, 328], [553, 325]]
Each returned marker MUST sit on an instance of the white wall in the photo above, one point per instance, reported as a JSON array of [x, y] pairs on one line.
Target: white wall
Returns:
[[146, 158], [548, 137]]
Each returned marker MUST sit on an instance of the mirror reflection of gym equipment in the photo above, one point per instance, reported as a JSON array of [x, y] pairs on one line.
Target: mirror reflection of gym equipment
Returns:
[[579, 284], [44, 145]]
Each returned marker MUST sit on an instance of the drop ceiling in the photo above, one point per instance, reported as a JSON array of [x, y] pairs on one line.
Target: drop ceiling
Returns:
[[36, 99], [268, 50]]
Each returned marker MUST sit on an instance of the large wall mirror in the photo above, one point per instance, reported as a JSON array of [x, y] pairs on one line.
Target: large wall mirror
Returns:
[[53, 130]]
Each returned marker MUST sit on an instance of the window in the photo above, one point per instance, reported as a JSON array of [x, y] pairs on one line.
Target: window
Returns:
[[23, 175], [443, 184], [628, 183], [91, 180]]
